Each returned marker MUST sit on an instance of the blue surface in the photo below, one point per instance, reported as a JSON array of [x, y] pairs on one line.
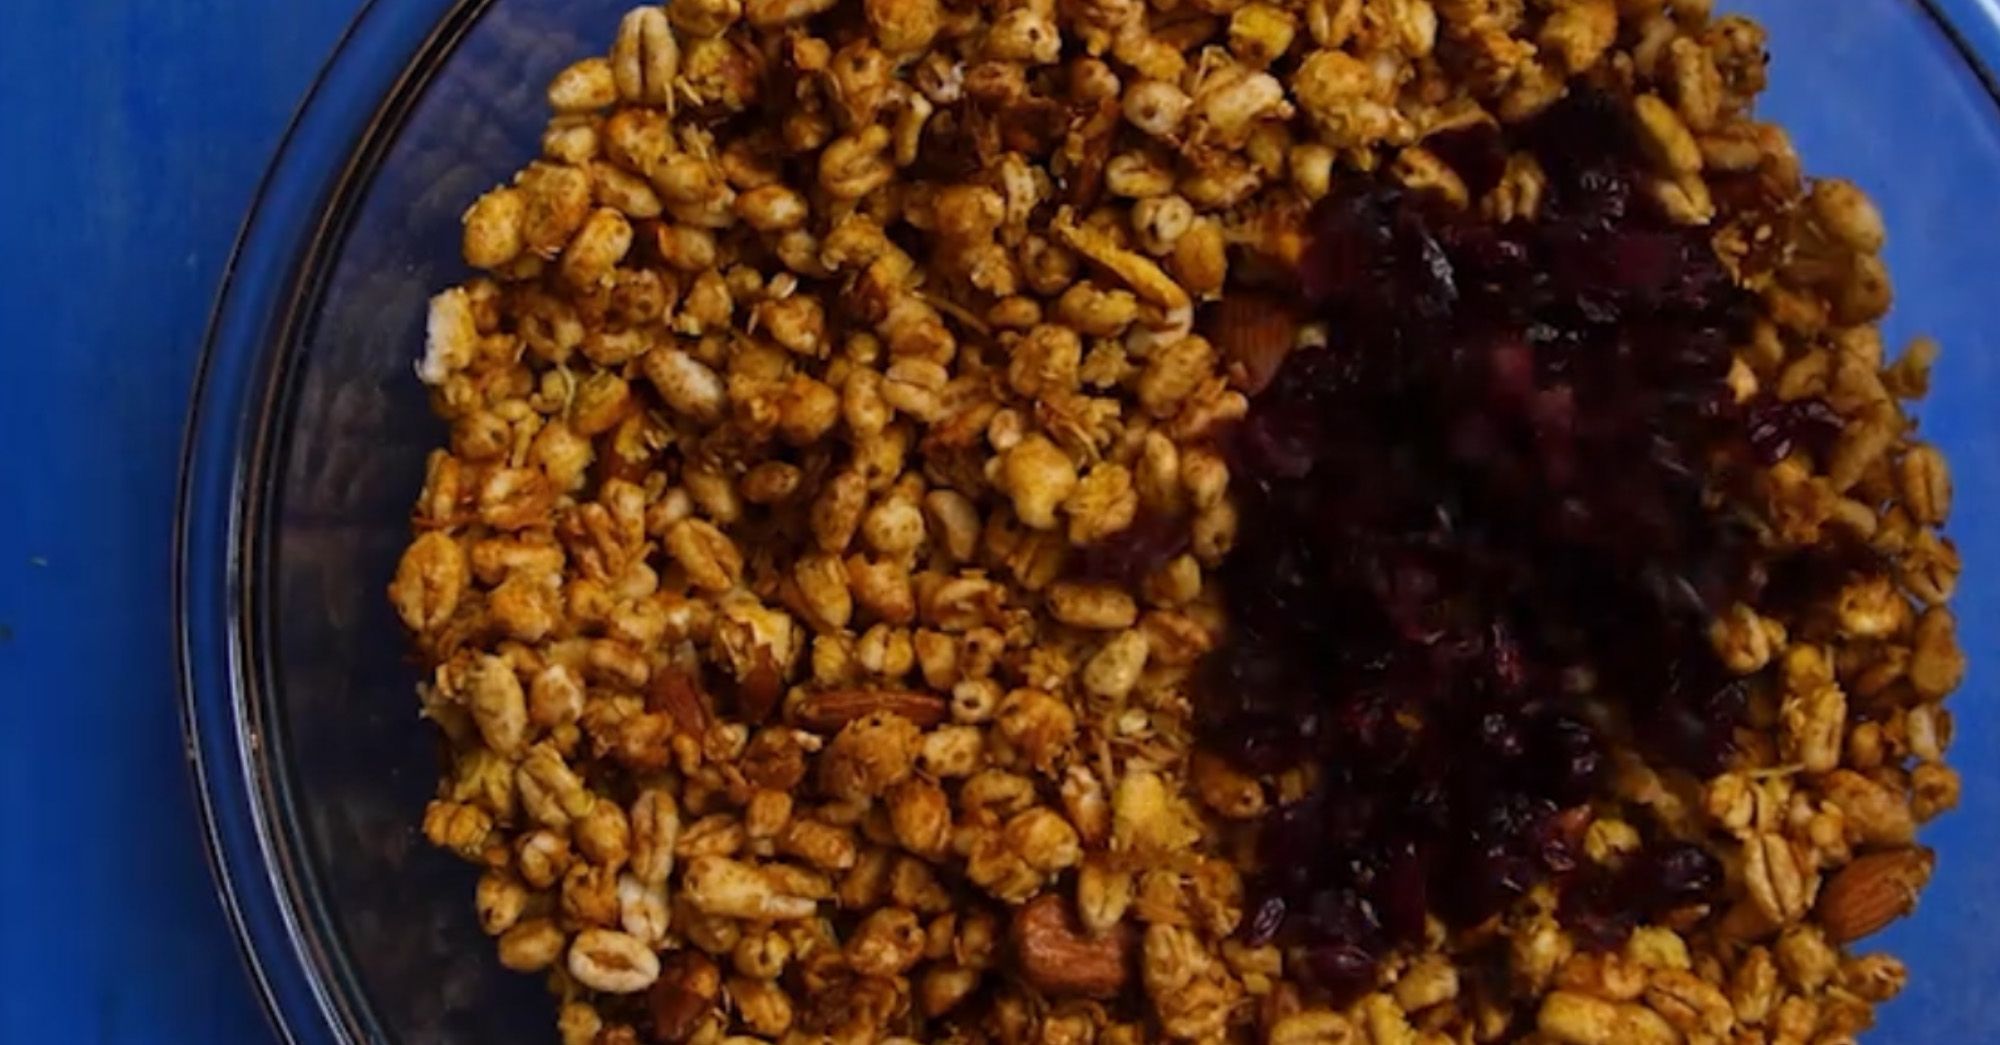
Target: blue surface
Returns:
[[1878, 99], [121, 192]]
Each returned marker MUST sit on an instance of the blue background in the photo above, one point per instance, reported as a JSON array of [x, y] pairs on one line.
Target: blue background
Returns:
[[132, 136], [121, 188]]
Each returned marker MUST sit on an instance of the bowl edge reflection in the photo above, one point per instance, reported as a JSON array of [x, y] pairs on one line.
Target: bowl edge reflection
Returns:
[[353, 109]]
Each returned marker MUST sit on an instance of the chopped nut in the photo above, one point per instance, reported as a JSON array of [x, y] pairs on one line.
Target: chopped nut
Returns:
[[832, 506], [828, 711], [686, 991], [1061, 960]]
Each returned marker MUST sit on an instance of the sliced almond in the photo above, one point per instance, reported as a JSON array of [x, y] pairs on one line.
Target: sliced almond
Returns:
[[827, 711]]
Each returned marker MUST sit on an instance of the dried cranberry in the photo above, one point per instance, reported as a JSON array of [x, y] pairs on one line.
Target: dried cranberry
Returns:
[[1131, 554], [1571, 756], [1343, 970], [1265, 921], [1602, 909], [1777, 428], [1478, 153], [1680, 874]]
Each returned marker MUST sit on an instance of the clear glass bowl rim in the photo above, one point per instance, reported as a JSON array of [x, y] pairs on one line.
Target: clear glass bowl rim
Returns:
[[354, 109]]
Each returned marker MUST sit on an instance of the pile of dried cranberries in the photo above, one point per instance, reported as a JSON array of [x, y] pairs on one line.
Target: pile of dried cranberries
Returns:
[[1482, 537]]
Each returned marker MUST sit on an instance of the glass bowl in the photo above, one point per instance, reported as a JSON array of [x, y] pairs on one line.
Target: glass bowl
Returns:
[[308, 434]]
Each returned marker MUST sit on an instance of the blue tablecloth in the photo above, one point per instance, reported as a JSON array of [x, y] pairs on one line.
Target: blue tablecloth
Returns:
[[132, 138]]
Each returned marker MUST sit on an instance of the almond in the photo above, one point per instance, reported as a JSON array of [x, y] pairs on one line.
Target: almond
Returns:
[[1254, 332], [1873, 891], [1061, 959], [829, 710]]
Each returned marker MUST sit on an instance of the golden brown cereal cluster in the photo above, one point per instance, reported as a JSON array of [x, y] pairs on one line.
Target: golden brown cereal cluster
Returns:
[[830, 351]]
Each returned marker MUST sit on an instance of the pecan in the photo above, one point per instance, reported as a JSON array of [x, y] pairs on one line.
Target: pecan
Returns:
[[1059, 958], [831, 709], [686, 990], [1873, 891], [758, 691], [677, 694]]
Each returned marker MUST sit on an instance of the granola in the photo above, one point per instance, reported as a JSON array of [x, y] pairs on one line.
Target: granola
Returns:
[[816, 581]]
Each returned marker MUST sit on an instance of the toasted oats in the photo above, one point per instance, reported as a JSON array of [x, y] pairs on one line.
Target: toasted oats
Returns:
[[793, 553]]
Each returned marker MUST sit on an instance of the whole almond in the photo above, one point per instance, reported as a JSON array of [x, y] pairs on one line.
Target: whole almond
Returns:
[[829, 710], [1063, 960], [1873, 891]]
